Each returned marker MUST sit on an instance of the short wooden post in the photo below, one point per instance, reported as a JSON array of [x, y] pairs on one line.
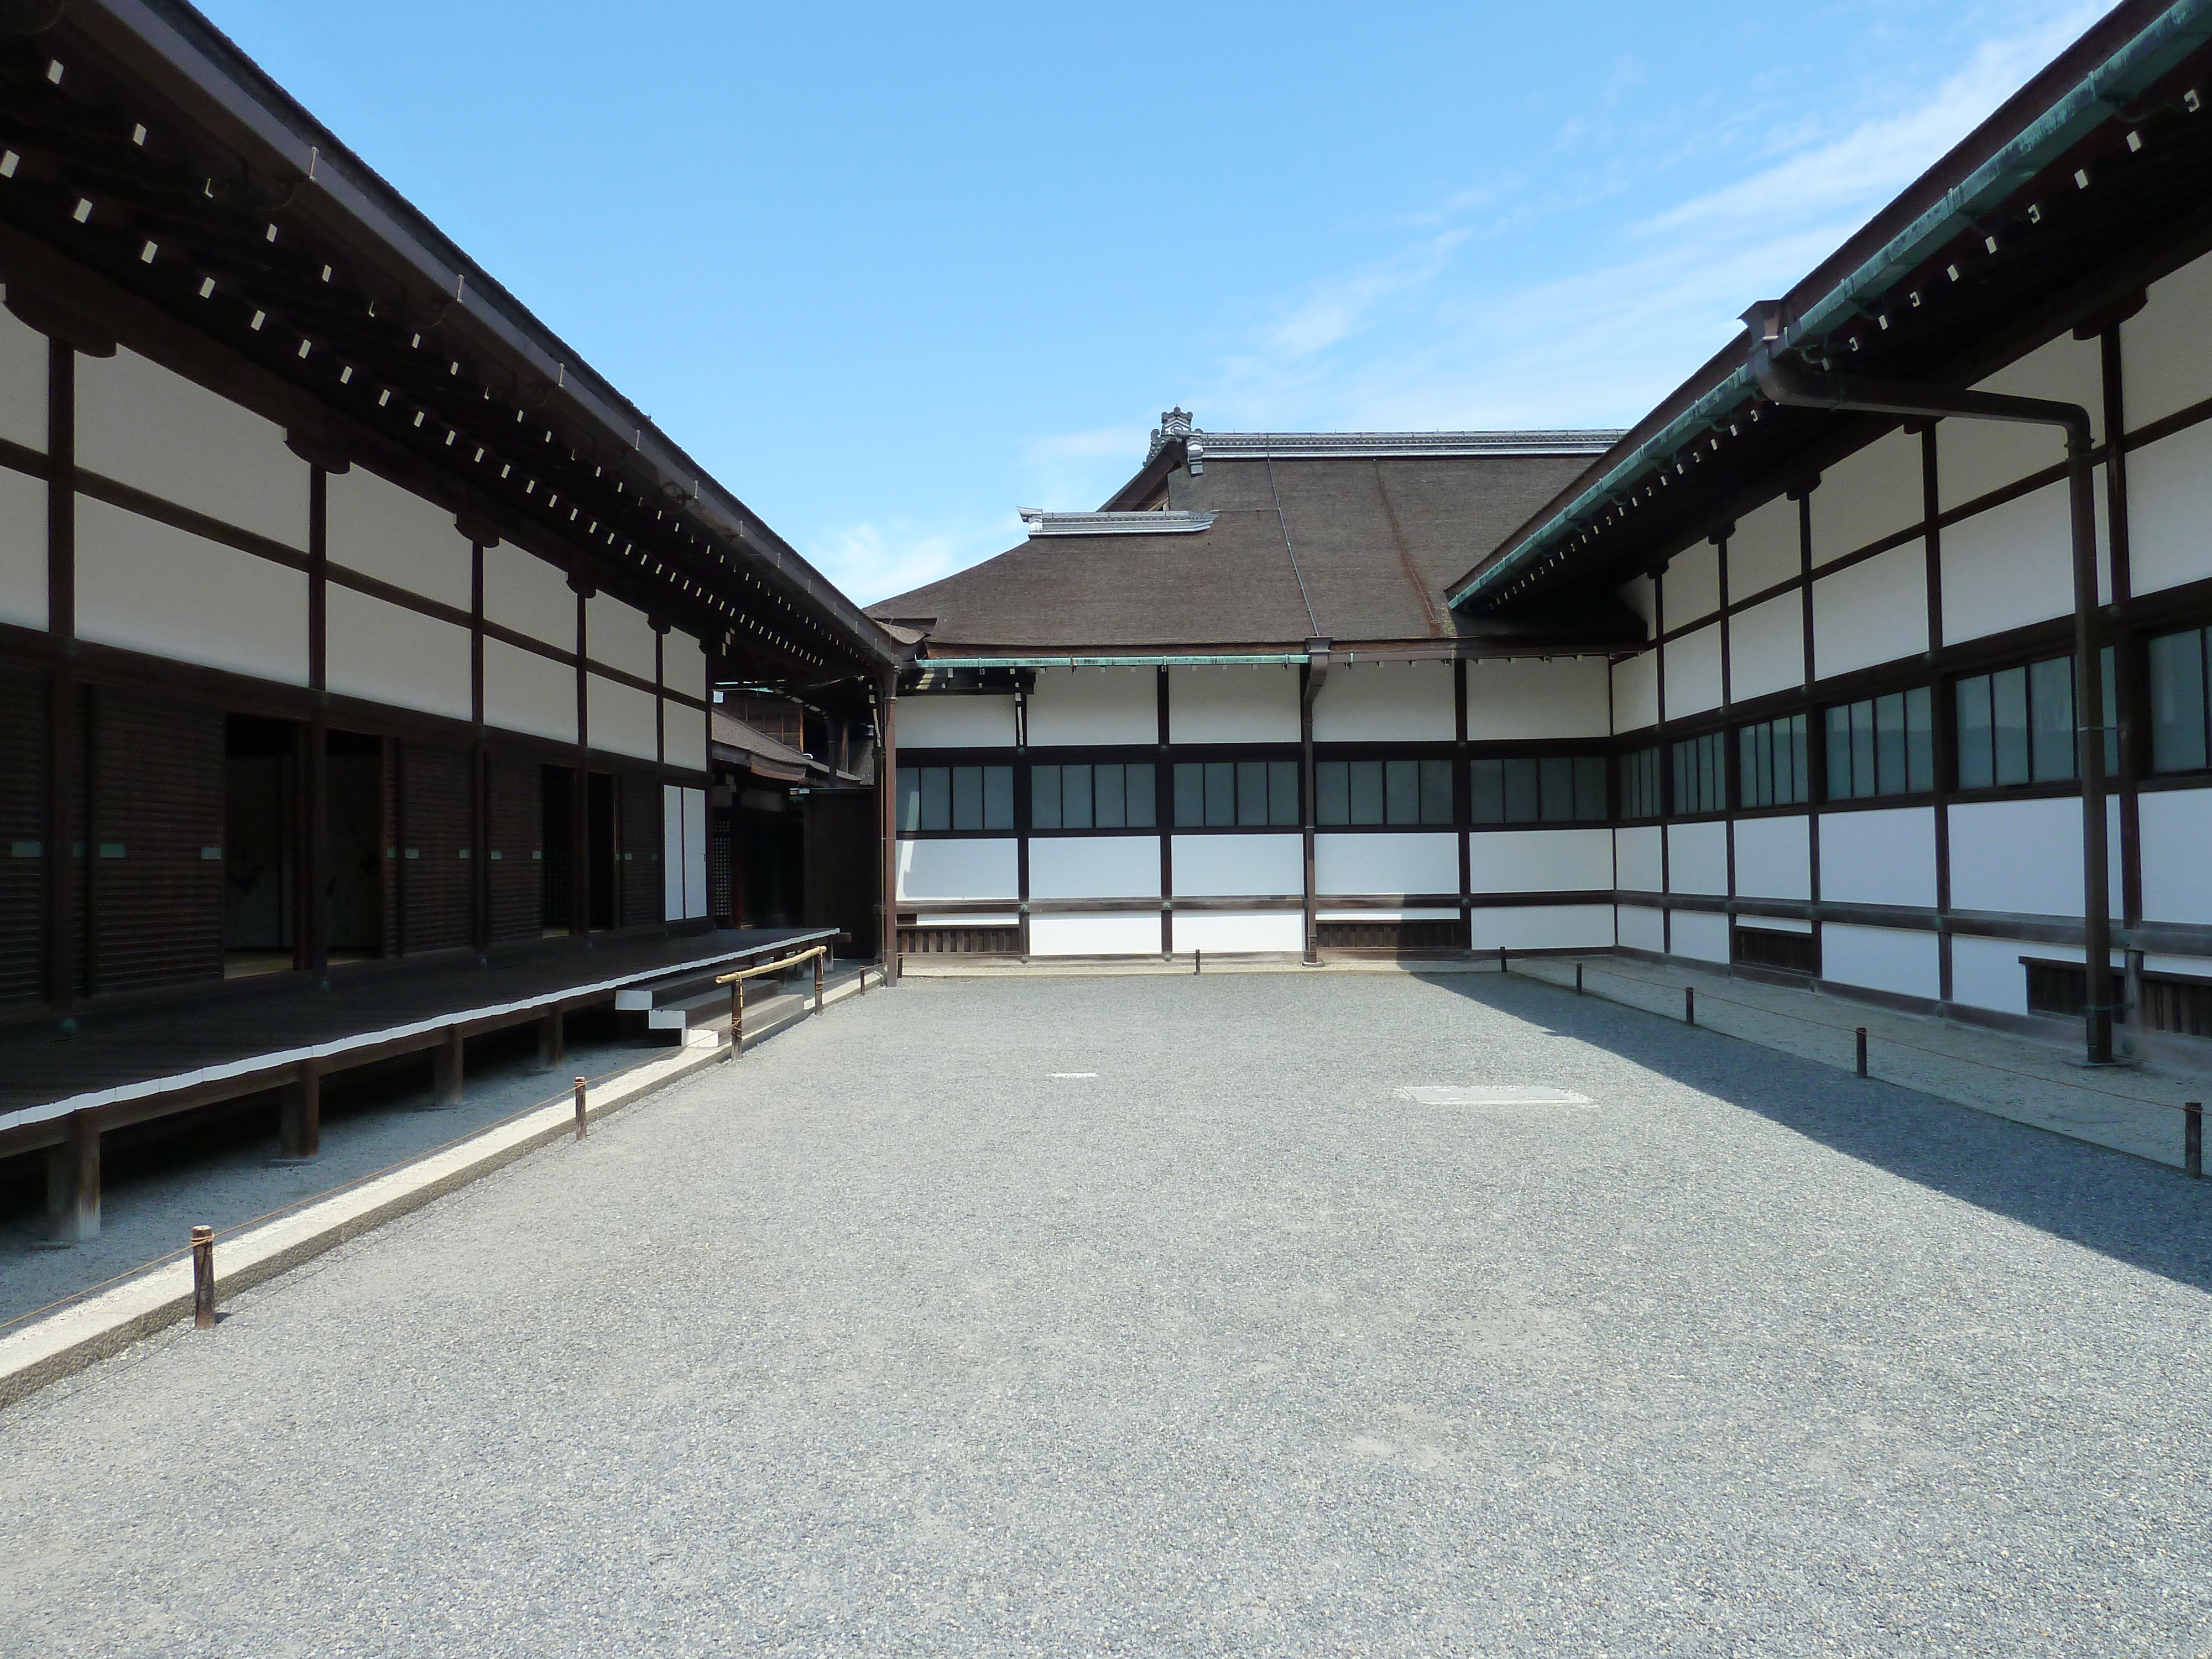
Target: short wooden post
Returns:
[[1861, 1041], [2192, 1139], [72, 1181], [204, 1278], [818, 981], [551, 1047], [1501, 959], [1689, 1004], [300, 1118], [1198, 961], [1578, 979], [580, 1108], [737, 1019], [448, 1067]]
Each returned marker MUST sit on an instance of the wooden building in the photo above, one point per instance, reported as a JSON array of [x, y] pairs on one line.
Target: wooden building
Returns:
[[348, 620], [1783, 681]]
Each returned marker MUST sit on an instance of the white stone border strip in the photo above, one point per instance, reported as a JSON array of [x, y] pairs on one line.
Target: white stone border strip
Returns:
[[82, 1334]]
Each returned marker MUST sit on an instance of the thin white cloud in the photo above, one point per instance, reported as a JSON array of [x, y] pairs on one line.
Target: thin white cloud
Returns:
[[872, 562]]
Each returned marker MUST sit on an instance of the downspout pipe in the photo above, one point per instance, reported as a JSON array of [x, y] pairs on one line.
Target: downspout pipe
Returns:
[[1316, 677], [1796, 387]]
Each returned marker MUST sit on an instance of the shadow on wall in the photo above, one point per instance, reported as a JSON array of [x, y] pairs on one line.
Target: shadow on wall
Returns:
[[2142, 1213]]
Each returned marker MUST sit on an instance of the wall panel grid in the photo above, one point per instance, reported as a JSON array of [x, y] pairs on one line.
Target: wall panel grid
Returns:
[[530, 595], [147, 586], [23, 357], [380, 530], [389, 655], [619, 636], [1099, 706], [956, 721], [1241, 931], [22, 549], [1382, 702], [1233, 705], [1873, 493], [1521, 699]]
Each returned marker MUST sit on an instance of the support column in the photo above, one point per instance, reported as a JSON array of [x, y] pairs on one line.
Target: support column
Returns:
[[64, 738], [447, 1069], [72, 1181], [1311, 678], [299, 1120], [887, 794], [551, 1035], [314, 952]]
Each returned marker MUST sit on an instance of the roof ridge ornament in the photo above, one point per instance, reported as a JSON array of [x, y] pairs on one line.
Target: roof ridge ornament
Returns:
[[1174, 423]]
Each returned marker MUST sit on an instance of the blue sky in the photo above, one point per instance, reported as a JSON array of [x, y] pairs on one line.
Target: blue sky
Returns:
[[891, 271]]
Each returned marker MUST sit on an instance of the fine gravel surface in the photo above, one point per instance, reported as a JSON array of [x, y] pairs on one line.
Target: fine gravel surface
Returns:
[[1145, 1317]]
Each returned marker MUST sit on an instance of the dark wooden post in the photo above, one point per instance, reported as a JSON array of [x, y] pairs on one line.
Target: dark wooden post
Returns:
[[448, 1067], [300, 1120], [887, 789], [65, 738], [549, 1035], [72, 1181], [204, 1278], [817, 980]]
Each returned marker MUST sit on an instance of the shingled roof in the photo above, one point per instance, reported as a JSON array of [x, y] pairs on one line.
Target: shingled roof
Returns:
[[1349, 537]]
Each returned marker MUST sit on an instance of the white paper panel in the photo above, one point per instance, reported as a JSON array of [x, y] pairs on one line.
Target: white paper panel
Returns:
[[23, 355], [387, 532], [1407, 862], [1109, 935], [1881, 958], [393, 655], [683, 665], [2170, 510], [619, 718], [1638, 852], [1986, 973], [1093, 705], [1517, 698], [685, 731], [619, 635], [529, 595], [1637, 928], [1874, 611], [1544, 860], [1886, 857], [1690, 586], [2165, 348], [1701, 935], [2177, 876], [1764, 549], [954, 721], [1772, 859], [1239, 866], [146, 586], [1635, 693], [1233, 931], [2023, 856], [525, 692], [1387, 701], [671, 853], [1693, 672], [22, 548], [1542, 928], [1867, 496], [1767, 648], [1697, 858], [1233, 705], [1095, 868], [695, 853], [958, 870], [1641, 596], [2008, 567], [141, 425]]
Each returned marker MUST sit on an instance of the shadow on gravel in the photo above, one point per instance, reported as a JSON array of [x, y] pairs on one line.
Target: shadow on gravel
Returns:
[[2142, 1213]]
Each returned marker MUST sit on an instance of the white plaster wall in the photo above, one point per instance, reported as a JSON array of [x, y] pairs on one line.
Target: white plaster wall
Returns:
[[2166, 350], [1412, 862], [1637, 853], [1386, 701], [1874, 611], [2023, 855], [1693, 672], [1776, 924], [1524, 698], [1870, 494], [1635, 692], [1697, 858], [525, 692], [148, 587], [958, 870], [683, 665], [1416, 912], [2170, 509], [1882, 857], [1774, 859], [1767, 648], [1882, 959], [1543, 861], [22, 549], [1639, 595], [1640, 929], [22, 384], [1239, 931], [1109, 935], [2009, 566], [1701, 935], [1240, 867], [968, 919], [1690, 586], [1972, 457], [2177, 875], [695, 852], [382, 531], [1542, 928], [397, 656], [1763, 551], [671, 853], [527, 594], [620, 718], [683, 731], [1094, 706], [1094, 867], [141, 425], [619, 636], [1233, 705], [956, 721], [1986, 973]]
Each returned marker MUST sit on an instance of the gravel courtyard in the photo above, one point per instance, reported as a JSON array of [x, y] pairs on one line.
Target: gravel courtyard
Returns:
[[908, 1335]]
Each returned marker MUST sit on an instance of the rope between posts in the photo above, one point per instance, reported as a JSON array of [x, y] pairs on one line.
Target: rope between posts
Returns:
[[1705, 995], [317, 1198]]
